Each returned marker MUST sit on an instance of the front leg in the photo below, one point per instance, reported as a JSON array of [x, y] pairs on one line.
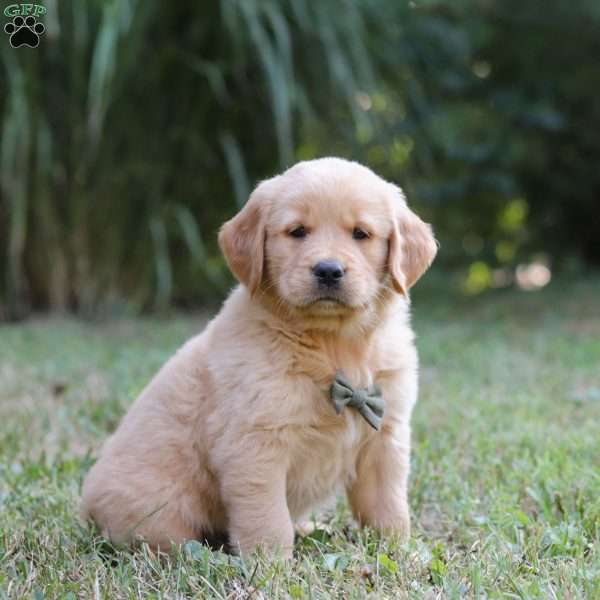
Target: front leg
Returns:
[[253, 485], [378, 495]]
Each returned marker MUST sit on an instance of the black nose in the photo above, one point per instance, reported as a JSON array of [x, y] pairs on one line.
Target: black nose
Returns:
[[328, 272]]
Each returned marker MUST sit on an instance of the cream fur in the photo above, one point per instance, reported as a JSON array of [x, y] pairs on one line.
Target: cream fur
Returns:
[[236, 433]]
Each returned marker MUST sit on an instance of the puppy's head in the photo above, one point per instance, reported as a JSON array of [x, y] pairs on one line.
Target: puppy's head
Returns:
[[326, 239]]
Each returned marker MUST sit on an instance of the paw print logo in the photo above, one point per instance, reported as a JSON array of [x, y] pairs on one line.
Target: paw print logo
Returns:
[[24, 32]]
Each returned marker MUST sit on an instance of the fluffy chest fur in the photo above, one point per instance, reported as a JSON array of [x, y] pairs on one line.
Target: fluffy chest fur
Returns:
[[323, 456], [321, 447], [276, 381]]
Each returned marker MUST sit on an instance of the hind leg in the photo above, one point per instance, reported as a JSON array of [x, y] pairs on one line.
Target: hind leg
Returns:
[[142, 507]]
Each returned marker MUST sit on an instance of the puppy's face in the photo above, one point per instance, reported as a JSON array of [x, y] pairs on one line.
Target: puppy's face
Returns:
[[326, 238], [327, 241]]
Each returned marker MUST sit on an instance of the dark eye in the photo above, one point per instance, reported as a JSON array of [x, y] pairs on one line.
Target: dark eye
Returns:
[[298, 232], [359, 234]]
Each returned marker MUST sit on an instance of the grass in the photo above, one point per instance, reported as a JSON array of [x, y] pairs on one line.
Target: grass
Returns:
[[505, 487]]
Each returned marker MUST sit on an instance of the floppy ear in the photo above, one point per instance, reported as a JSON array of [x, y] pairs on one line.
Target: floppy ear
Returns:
[[242, 241], [412, 247]]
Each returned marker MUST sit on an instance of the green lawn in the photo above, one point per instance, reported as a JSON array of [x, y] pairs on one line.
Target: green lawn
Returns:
[[505, 488]]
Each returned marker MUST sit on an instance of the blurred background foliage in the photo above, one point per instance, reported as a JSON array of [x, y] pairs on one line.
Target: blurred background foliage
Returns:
[[137, 127]]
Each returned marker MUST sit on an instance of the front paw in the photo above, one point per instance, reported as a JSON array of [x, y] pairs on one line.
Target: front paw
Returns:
[[392, 524], [275, 542], [399, 529], [265, 548]]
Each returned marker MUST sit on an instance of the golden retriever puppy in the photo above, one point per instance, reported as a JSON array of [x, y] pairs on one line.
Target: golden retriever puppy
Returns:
[[303, 383]]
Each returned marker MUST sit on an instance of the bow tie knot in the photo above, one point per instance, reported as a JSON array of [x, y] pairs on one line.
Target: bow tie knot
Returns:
[[368, 401], [359, 398]]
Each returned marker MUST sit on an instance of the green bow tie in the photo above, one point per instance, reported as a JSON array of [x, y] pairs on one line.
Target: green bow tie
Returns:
[[368, 401]]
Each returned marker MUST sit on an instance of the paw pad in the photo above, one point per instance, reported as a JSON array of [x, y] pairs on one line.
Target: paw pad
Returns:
[[24, 32]]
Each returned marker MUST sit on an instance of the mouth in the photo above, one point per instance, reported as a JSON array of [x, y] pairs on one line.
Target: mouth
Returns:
[[325, 302], [326, 299]]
